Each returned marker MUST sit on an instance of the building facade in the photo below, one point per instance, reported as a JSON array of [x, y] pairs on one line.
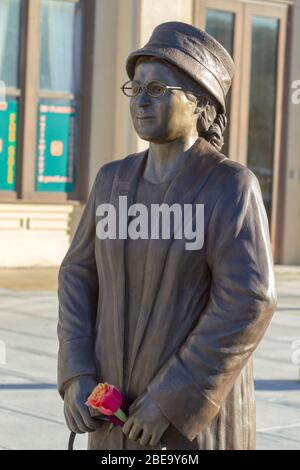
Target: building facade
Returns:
[[63, 115]]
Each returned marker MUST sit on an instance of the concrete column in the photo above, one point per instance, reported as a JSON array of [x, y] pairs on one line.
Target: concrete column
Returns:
[[154, 12], [116, 34], [103, 86], [121, 26]]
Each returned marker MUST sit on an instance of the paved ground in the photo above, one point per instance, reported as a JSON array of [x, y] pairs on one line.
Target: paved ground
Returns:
[[31, 413], [277, 376], [28, 280]]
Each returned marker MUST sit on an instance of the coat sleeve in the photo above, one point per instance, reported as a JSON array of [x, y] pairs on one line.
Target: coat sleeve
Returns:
[[78, 299], [191, 386]]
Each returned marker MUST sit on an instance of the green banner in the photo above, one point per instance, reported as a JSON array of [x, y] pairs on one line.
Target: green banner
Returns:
[[56, 147], [8, 144]]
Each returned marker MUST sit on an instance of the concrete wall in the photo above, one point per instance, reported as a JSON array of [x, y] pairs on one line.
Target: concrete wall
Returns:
[[36, 234]]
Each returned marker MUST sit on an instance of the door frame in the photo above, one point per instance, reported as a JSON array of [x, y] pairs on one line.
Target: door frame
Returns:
[[280, 13], [239, 118]]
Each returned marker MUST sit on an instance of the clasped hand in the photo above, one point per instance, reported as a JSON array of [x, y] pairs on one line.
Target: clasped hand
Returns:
[[146, 422]]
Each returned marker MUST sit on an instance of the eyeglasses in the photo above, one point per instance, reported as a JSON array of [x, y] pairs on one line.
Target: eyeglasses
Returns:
[[154, 88]]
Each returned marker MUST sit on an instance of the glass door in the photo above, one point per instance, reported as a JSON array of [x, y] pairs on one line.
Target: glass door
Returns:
[[220, 25], [224, 21], [255, 37], [262, 100]]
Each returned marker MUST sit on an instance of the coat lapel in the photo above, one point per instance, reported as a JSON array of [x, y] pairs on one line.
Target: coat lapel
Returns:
[[183, 189], [124, 184]]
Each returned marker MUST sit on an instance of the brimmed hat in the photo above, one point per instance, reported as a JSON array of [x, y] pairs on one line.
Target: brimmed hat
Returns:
[[192, 50]]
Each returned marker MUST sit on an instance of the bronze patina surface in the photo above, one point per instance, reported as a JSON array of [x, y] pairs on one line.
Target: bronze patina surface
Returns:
[[173, 329]]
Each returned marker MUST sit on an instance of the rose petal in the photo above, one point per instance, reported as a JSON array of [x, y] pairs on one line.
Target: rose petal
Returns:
[[105, 398]]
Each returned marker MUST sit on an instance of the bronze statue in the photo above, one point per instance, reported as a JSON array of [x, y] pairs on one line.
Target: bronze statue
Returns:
[[173, 328]]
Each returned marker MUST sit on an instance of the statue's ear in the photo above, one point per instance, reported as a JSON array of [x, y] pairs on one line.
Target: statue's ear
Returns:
[[202, 110], [199, 108], [202, 106], [204, 117]]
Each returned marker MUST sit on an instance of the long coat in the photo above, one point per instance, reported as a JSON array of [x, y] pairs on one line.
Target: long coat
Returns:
[[203, 311]]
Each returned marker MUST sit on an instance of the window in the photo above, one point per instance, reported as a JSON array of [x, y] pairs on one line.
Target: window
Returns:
[[58, 103], [10, 16], [10, 26], [43, 120]]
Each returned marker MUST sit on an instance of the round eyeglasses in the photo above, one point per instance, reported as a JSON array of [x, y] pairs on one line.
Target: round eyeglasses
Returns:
[[153, 88]]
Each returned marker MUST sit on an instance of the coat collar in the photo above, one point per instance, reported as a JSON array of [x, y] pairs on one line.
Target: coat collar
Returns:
[[185, 186]]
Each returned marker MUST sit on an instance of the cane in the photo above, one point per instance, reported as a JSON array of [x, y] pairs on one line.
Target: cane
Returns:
[[73, 434], [71, 440]]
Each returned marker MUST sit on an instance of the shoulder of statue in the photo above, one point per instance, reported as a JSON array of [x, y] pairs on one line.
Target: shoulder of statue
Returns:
[[109, 170]]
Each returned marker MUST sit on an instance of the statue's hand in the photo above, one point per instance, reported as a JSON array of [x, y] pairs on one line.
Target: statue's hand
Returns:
[[146, 422], [77, 415]]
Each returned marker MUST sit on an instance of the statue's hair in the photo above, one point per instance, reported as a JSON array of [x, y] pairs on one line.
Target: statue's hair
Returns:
[[212, 123]]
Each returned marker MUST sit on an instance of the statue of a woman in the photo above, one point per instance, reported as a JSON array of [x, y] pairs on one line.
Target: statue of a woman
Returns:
[[173, 328]]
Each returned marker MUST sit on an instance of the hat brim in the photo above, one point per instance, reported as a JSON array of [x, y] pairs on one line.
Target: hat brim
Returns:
[[183, 61]]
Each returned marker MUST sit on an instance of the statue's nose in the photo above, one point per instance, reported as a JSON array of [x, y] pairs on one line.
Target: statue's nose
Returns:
[[143, 99]]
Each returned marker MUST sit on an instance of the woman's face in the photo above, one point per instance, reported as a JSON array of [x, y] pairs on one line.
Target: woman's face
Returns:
[[168, 117]]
